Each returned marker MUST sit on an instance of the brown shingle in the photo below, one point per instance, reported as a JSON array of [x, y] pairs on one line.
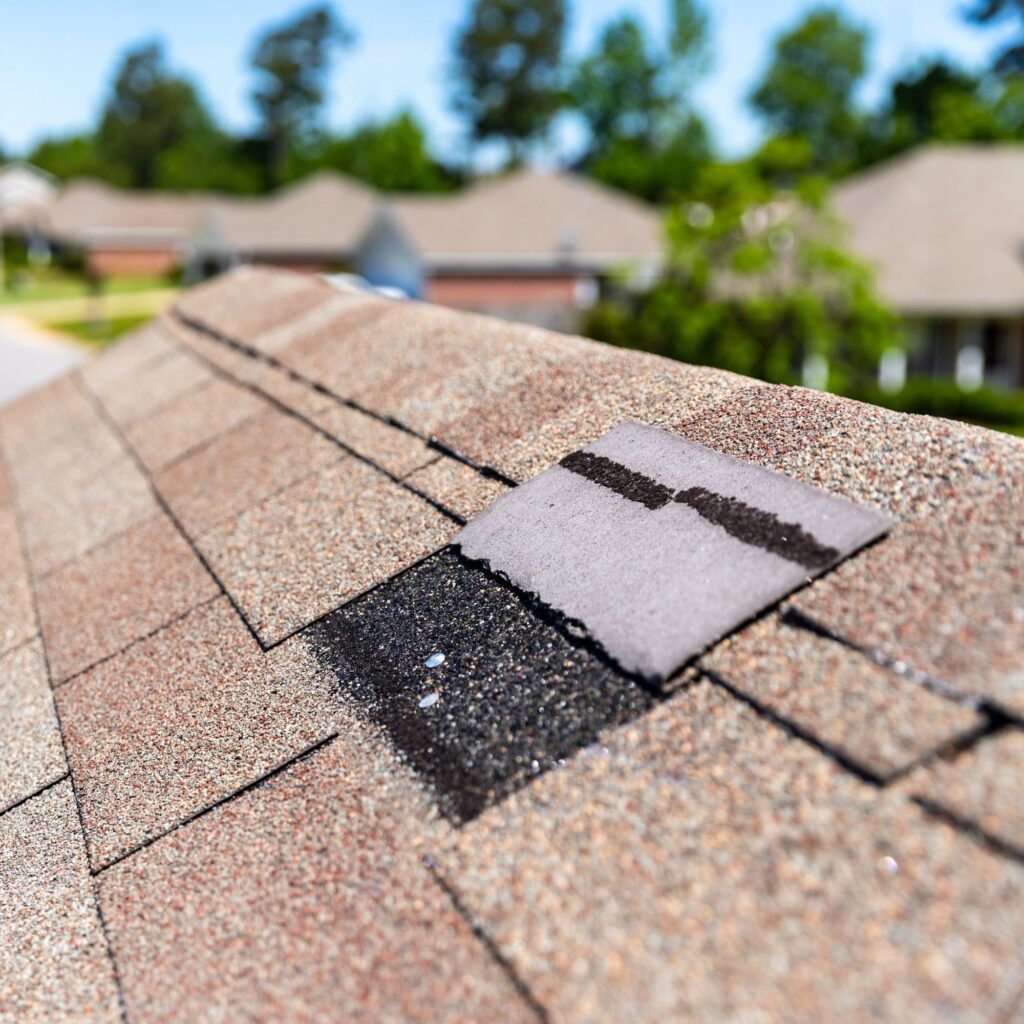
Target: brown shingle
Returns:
[[194, 419], [325, 539], [19, 617], [260, 457], [456, 486], [54, 964], [99, 603], [700, 865], [303, 900], [180, 721], [981, 786], [874, 718], [30, 749]]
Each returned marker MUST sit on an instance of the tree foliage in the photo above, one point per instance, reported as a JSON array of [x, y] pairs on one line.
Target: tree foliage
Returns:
[[390, 154], [149, 112], [807, 91], [634, 98], [986, 12], [507, 71], [292, 62], [756, 282]]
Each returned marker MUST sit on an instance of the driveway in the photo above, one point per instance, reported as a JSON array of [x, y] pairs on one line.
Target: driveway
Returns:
[[30, 356]]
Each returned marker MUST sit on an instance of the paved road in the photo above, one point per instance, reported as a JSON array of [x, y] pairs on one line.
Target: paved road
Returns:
[[29, 357]]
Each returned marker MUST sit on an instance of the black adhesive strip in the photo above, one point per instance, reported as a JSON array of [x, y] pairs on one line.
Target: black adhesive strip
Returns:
[[758, 528], [746, 523], [616, 477]]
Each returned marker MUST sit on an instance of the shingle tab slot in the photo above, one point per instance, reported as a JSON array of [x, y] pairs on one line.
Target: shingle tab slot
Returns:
[[660, 546]]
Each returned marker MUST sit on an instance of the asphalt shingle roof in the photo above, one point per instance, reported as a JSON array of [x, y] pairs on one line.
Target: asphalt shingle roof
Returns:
[[240, 783]]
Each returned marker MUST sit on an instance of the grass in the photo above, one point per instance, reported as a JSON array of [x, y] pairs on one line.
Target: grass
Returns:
[[53, 285], [102, 332]]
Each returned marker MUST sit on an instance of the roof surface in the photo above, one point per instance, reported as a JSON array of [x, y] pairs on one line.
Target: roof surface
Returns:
[[326, 212], [238, 782], [944, 227], [87, 209], [528, 218]]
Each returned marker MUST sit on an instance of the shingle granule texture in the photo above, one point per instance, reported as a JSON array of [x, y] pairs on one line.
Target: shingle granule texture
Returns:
[[309, 548], [457, 486], [262, 456], [304, 900], [19, 619], [99, 603], [981, 786], [699, 865], [180, 721], [510, 699], [179, 427], [30, 749], [395, 450], [54, 965], [876, 719]]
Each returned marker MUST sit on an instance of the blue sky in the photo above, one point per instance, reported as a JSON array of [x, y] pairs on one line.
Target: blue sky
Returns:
[[57, 56]]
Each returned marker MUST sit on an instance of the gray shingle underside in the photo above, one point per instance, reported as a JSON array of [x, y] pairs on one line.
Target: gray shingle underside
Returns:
[[656, 586]]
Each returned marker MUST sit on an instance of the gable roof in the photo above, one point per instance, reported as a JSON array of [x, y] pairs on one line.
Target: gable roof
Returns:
[[237, 774], [324, 213], [944, 227], [528, 218]]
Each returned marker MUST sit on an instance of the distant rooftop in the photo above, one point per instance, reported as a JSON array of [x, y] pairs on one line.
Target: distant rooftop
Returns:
[[275, 749], [944, 227]]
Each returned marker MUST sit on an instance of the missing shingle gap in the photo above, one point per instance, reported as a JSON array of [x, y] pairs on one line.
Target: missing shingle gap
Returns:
[[266, 777], [506, 966], [573, 630], [31, 796], [69, 775], [256, 355], [134, 643], [162, 503]]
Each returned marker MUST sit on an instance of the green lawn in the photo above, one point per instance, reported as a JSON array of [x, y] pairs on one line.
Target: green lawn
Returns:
[[104, 331], [71, 286]]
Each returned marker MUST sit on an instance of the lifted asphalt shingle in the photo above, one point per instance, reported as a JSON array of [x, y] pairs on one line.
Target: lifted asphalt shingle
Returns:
[[509, 700], [659, 546]]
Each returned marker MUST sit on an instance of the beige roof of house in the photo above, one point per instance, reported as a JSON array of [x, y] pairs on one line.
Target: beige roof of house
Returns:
[[90, 210], [529, 218], [944, 227], [322, 215]]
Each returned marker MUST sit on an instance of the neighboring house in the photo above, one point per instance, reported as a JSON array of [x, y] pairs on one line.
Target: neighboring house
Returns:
[[313, 225], [526, 246], [26, 196], [944, 228], [123, 231]]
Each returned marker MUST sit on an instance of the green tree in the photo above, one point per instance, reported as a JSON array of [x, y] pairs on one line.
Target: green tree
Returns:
[[150, 111], [757, 282], [292, 62], [507, 70], [938, 101], [987, 12], [643, 135], [71, 156], [390, 154], [808, 88]]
